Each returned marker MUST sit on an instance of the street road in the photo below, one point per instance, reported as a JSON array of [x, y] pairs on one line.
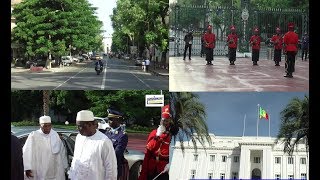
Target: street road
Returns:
[[195, 76], [118, 74]]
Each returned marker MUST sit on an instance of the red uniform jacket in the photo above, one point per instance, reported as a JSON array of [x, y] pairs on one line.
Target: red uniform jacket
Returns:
[[209, 40], [290, 40], [277, 41], [233, 40], [156, 155], [255, 41]]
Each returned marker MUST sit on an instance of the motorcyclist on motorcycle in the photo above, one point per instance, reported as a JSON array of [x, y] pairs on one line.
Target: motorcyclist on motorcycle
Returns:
[[99, 62]]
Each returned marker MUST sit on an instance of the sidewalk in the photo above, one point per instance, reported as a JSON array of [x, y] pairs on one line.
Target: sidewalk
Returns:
[[45, 70], [159, 71]]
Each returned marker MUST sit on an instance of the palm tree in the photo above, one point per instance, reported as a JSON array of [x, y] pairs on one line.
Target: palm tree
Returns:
[[46, 102], [189, 117], [294, 127]]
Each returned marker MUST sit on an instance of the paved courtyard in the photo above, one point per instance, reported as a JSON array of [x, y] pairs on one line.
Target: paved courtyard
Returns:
[[196, 76]]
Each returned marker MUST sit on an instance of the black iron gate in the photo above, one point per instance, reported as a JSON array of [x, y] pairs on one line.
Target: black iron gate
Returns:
[[196, 18]]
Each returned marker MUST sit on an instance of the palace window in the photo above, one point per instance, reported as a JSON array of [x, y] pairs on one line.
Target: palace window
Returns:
[[234, 175], [224, 158], [210, 175], [302, 160], [236, 159], [193, 174], [277, 176], [277, 160], [212, 157], [222, 175], [290, 160], [303, 176], [195, 157], [256, 159]]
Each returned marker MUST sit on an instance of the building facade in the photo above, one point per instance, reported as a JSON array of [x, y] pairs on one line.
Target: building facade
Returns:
[[239, 158]]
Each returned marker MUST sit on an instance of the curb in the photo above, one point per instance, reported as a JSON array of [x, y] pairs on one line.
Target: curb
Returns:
[[157, 73]]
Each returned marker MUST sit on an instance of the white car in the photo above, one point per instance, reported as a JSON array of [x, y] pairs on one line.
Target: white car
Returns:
[[102, 123]]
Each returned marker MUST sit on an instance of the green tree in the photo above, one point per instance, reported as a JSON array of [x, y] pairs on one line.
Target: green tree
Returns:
[[140, 23], [45, 26], [46, 102], [294, 127], [68, 103], [189, 116], [131, 103], [26, 105]]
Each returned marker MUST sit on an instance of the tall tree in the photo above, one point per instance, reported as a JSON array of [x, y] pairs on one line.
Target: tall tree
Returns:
[[189, 117], [46, 102], [56, 27], [294, 127]]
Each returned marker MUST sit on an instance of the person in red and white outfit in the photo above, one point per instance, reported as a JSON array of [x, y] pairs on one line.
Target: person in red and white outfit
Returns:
[[156, 159]]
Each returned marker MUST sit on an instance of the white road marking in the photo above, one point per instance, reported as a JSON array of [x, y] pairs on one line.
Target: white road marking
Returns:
[[69, 78], [104, 76]]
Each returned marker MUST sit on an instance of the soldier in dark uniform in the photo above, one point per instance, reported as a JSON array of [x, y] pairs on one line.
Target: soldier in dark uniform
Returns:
[[232, 41], [255, 41], [305, 46], [277, 40], [290, 41], [119, 140], [188, 38]]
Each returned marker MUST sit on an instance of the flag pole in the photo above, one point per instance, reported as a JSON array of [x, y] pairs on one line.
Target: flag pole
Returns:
[[258, 121], [244, 124], [269, 122]]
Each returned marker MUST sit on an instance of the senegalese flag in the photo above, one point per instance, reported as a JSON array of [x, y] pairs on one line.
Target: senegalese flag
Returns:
[[263, 114]]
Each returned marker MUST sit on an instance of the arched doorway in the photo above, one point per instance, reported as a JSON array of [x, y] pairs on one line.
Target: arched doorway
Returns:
[[256, 174]]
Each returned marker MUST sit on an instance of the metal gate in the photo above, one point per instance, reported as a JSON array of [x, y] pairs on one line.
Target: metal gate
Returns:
[[185, 18]]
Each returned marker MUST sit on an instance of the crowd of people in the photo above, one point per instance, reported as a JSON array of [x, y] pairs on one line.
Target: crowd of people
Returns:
[[98, 155], [286, 44]]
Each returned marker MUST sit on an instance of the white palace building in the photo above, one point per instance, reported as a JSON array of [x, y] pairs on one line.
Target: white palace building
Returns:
[[239, 158]]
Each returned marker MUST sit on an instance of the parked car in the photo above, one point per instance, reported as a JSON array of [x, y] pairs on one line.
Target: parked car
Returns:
[[102, 123], [135, 158], [36, 62], [138, 61], [66, 60]]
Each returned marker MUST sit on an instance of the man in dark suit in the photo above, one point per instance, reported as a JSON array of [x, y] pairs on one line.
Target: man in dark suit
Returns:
[[17, 171], [119, 140]]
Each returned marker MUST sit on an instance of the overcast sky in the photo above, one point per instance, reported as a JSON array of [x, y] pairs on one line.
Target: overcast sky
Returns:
[[105, 9], [226, 111]]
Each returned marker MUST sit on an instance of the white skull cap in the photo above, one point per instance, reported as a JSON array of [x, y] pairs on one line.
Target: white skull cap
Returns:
[[44, 119], [85, 115]]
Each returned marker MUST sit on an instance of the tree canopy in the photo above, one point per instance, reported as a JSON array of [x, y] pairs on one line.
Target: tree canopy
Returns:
[[44, 26], [27, 105], [294, 128], [140, 23]]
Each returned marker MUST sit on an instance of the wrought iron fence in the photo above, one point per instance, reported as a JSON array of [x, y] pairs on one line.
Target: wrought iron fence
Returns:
[[186, 18]]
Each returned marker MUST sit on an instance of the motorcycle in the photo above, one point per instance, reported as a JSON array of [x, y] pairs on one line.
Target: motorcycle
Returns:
[[98, 68]]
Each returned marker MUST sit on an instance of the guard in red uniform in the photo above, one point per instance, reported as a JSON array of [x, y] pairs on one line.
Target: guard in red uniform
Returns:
[[156, 159], [255, 41], [277, 41], [232, 42], [290, 41], [210, 41]]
